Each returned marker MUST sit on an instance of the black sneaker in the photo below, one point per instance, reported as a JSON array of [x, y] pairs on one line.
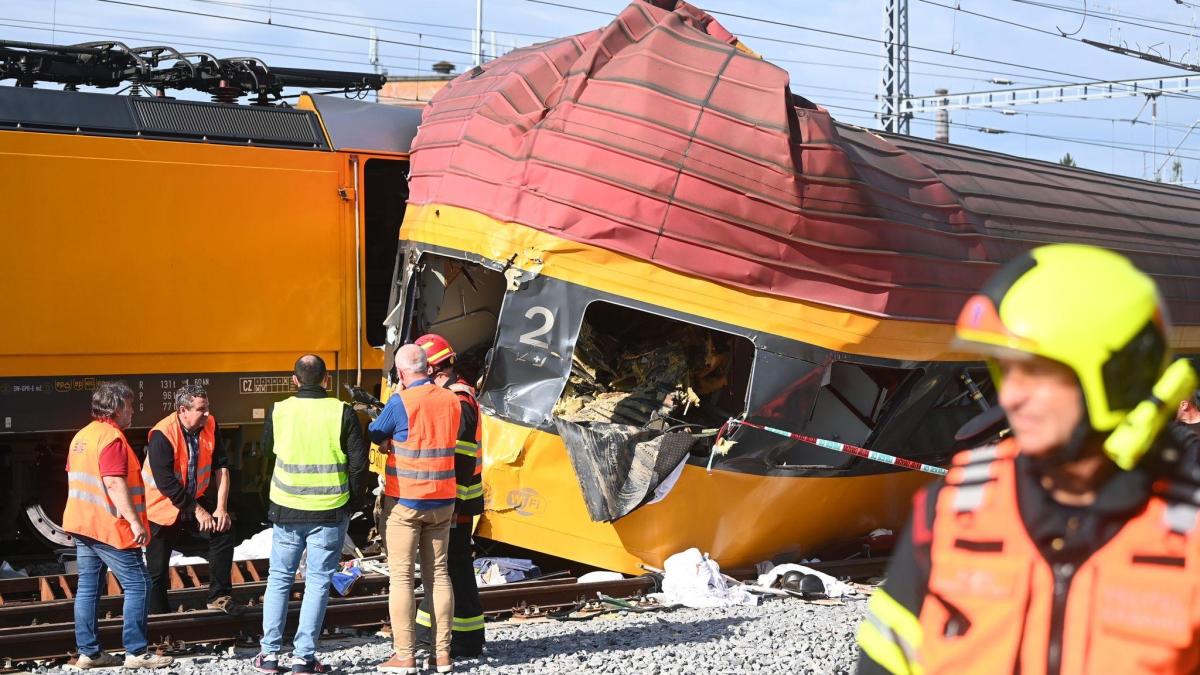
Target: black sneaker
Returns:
[[267, 663], [300, 665]]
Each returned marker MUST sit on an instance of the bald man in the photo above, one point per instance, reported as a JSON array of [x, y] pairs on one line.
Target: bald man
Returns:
[[421, 422]]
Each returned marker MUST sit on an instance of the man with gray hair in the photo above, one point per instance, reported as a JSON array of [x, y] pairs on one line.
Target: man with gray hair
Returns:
[[187, 498], [421, 425], [106, 513]]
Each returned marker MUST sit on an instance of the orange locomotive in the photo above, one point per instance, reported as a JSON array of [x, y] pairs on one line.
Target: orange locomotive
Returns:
[[237, 236]]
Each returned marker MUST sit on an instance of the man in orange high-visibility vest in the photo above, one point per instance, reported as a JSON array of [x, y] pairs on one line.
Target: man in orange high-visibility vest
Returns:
[[106, 513], [187, 497], [422, 423]]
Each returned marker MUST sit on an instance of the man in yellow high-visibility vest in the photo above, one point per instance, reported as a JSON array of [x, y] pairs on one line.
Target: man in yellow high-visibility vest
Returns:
[[319, 477]]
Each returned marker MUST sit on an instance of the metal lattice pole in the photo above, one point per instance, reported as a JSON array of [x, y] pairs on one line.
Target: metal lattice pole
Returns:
[[894, 97]]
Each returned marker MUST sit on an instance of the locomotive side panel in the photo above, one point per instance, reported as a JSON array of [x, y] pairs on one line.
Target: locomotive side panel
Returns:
[[182, 261]]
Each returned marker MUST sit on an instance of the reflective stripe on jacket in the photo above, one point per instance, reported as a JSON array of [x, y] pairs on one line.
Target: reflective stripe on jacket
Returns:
[[422, 466], [310, 466], [159, 507], [469, 457], [89, 511], [993, 599]]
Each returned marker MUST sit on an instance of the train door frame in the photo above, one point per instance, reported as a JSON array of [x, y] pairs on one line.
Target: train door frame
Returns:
[[359, 187]]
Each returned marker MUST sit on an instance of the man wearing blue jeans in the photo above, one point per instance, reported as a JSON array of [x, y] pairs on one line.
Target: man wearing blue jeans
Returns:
[[106, 512], [320, 471]]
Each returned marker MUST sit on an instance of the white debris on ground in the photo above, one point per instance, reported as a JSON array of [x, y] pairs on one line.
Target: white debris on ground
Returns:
[[493, 571], [783, 635], [694, 580], [8, 572], [257, 547]]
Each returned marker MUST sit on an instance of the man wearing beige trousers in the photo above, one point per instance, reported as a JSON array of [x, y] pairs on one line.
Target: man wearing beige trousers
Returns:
[[421, 424]]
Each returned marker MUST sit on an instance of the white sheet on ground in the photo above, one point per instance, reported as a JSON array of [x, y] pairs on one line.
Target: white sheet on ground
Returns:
[[833, 587], [178, 559], [694, 580], [257, 547], [599, 575]]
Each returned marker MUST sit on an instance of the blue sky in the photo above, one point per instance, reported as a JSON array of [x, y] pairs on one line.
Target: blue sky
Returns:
[[415, 34]]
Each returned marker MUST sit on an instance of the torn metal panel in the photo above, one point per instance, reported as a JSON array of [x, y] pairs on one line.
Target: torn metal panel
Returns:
[[539, 324], [619, 466]]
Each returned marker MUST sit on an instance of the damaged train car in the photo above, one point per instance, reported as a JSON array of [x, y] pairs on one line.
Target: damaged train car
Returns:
[[633, 234]]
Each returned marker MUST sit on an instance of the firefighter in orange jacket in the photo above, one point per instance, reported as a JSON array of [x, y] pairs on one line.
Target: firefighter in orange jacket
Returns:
[[1071, 546], [187, 497], [467, 639]]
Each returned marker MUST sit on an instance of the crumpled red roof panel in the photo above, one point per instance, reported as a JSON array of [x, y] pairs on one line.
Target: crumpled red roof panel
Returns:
[[657, 137]]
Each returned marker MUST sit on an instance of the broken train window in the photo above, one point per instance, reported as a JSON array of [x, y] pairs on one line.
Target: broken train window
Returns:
[[852, 400], [640, 369], [644, 393], [905, 411], [460, 301]]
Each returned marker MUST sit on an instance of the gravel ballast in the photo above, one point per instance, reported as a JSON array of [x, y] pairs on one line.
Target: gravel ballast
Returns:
[[781, 636]]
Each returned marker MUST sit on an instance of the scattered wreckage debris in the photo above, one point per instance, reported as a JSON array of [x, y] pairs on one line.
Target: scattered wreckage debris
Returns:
[[641, 392], [650, 371]]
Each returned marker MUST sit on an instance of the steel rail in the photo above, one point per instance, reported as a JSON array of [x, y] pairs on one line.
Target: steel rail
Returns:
[[57, 640]]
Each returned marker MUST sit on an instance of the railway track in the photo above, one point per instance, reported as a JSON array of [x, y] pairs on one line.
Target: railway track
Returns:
[[43, 630]]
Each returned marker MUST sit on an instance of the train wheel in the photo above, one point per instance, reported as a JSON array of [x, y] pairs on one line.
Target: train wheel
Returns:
[[47, 529]]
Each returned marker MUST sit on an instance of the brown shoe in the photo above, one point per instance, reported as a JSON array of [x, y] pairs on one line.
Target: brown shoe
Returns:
[[101, 660], [398, 665], [444, 665], [226, 604]]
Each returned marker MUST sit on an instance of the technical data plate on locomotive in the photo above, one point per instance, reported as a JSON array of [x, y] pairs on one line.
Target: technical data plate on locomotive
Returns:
[[63, 403]]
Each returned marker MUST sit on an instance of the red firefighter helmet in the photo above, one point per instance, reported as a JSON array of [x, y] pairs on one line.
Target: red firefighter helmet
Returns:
[[437, 348]]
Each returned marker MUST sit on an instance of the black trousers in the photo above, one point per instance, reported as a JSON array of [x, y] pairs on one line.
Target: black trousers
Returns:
[[467, 637], [158, 560]]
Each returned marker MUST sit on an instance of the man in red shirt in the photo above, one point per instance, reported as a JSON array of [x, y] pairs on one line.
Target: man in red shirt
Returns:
[[106, 513]]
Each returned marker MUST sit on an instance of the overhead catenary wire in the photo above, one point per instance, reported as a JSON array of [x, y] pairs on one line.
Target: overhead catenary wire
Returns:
[[912, 47], [1116, 18], [1074, 76], [1082, 141], [299, 14], [873, 69], [275, 7], [202, 45], [283, 25], [111, 31]]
